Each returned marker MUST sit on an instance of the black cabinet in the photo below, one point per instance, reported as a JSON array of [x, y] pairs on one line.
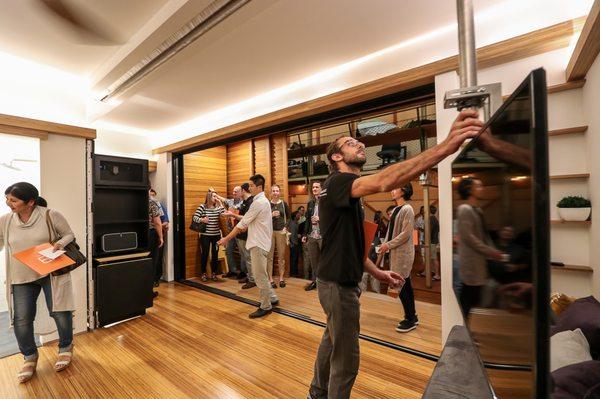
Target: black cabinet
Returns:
[[123, 275], [123, 289]]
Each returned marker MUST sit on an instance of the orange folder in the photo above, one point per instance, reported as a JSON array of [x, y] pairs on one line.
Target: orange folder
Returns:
[[370, 230], [40, 264]]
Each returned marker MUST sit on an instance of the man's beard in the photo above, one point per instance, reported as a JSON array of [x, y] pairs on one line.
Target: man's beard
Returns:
[[355, 161]]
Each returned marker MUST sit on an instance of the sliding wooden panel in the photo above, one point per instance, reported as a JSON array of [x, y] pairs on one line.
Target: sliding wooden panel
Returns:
[[202, 169], [240, 164], [262, 159], [279, 169]]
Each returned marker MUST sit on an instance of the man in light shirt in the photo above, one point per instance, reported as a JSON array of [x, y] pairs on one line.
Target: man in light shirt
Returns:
[[258, 221]]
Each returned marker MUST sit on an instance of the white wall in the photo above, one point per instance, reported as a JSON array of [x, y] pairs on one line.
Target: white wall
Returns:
[[63, 185], [161, 181], [567, 155], [112, 142], [591, 103]]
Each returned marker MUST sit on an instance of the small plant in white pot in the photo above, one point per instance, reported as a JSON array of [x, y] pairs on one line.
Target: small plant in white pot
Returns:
[[574, 209]]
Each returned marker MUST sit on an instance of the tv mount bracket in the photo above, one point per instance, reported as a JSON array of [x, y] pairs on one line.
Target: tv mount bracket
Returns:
[[488, 97]]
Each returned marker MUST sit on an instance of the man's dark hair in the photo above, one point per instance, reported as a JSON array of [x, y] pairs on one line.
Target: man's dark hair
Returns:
[[464, 188], [407, 191], [319, 182], [258, 180], [333, 148], [390, 208], [246, 187], [432, 209], [301, 207], [23, 191]]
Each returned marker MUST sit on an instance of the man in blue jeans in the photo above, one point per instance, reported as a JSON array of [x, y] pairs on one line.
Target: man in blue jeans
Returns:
[[343, 259]]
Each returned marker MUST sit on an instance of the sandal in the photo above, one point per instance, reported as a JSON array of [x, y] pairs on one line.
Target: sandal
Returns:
[[282, 283], [437, 278], [421, 274], [64, 360], [27, 371], [204, 278], [214, 277], [273, 285]]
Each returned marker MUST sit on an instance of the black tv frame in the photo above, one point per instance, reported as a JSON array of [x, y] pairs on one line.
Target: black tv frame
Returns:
[[540, 224]]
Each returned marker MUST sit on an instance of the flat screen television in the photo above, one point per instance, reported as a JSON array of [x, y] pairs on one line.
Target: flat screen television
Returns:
[[502, 240]]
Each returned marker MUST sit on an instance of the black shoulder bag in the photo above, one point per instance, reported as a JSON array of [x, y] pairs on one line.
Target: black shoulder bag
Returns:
[[71, 249]]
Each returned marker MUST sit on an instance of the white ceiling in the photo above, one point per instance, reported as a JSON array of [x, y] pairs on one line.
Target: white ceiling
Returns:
[[264, 46], [29, 30]]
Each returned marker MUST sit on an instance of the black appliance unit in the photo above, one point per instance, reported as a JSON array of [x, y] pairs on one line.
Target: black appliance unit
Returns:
[[123, 272], [510, 157]]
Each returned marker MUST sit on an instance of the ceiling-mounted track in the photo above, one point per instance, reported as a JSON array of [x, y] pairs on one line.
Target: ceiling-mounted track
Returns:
[[211, 16]]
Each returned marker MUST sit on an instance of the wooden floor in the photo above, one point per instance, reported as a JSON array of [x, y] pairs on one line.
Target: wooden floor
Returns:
[[194, 344], [379, 313]]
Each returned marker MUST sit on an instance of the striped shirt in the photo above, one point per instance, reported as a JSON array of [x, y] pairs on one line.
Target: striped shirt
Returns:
[[213, 227]]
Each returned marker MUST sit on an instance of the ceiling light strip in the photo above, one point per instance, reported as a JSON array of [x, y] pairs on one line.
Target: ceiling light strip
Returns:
[[211, 16]]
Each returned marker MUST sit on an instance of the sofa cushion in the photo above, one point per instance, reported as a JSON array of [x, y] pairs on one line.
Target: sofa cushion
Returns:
[[584, 313], [577, 381], [568, 347]]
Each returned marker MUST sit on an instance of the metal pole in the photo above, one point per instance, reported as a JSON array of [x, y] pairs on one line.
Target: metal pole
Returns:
[[466, 44]]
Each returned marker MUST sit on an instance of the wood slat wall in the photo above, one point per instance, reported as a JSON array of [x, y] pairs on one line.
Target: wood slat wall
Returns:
[[279, 160], [202, 169], [240, 164], [262, 158]]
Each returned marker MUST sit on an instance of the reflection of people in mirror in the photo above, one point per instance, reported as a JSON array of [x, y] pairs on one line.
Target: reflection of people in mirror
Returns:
[[474, 247]]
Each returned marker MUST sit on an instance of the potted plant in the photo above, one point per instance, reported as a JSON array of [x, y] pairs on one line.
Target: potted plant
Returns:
[[574, 208]]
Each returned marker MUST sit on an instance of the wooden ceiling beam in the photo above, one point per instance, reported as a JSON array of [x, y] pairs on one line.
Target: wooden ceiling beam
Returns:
[[18, 122], [587, 47]]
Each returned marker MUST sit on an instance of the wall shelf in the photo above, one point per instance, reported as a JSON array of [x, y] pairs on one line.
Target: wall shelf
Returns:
[[571, 176], [574, 268], [570, 130], [563, 222]]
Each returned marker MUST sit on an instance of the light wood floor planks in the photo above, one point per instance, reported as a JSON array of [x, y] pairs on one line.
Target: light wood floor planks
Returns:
[[193, 344], [379, 313]]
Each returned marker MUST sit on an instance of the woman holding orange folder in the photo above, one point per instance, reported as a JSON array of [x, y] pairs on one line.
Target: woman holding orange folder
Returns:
[[25, 227]]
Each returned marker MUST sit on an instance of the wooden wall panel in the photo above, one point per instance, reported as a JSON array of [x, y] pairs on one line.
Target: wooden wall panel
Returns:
[[279, 170], [240, 164], [262, 159], [202, 169]]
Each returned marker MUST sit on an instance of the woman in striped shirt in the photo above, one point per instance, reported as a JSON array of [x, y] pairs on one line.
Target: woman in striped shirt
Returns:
[[209, 213]]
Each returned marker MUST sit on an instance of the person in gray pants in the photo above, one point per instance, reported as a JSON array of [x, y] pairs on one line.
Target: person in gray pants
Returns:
[[245, 260], [343, 253]]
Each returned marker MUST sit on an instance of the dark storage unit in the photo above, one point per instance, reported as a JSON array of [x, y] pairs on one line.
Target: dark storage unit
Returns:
[[123, 274], [123, 289]]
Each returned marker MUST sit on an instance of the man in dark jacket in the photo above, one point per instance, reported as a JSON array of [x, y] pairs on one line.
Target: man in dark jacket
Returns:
[[312, 235]]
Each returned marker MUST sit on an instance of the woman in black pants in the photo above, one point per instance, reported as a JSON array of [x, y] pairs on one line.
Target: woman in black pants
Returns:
[[209, 213]]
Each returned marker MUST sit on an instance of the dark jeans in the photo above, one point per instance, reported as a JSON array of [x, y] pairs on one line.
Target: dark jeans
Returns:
[[156, 254], [314, 252], [470, 295], [338, 356], [407, 297], [209, 243], [295, 252], [25, 300], [231, 262]]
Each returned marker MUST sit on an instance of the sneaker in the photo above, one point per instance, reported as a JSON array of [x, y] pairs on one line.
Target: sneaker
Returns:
[[275, 303], [248, 285], [310, 286], [204, 278], [259, 313], [406, 325], [243, 280]]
